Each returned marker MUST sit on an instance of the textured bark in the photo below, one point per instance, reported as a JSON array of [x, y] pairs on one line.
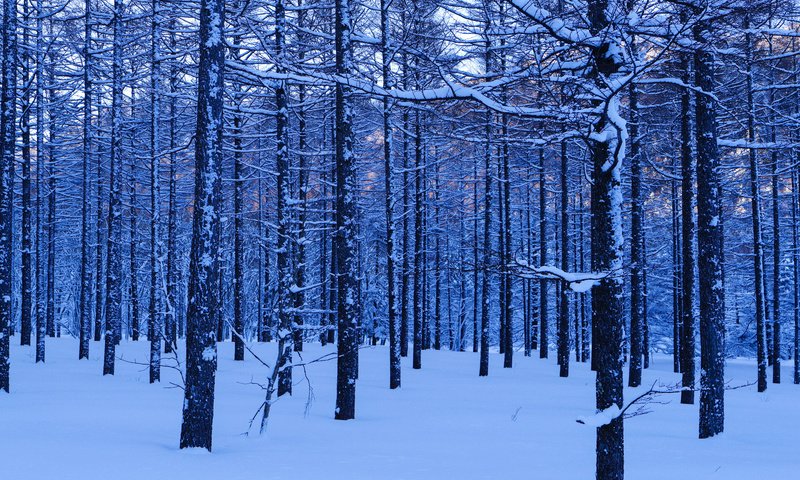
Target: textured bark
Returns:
[[84, 324], [419, 249], [710, 245], [283, 199], [544, 338], [758, 255], [41, 319], [201, 348], [687, 248], [487, 249], [113, 298], [26, 254], [7, 137], [607, 238], [133, 267], [388, 138], [156, 302], [170, 313], [346, 227], [563, 311], [637, 242]]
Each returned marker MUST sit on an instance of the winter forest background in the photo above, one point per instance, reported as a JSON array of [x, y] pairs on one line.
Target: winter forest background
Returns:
[[272, 208]]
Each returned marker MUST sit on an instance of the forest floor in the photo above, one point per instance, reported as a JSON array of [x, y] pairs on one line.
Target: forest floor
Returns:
[[65, 421]]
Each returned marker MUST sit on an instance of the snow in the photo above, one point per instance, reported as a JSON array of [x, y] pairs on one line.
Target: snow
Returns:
[[601, 418], [66, 421]]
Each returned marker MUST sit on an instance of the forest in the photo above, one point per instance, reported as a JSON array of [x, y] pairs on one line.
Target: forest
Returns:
[[578, 215]]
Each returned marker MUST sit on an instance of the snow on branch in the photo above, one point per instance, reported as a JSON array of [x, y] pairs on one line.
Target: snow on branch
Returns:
[[578, 282]]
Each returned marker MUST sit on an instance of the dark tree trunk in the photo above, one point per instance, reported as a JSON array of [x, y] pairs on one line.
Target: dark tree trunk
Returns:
[[677, 275], [134, 262], [388, 138], [475, 259], [758, 255], [114, 226], [238, 241], [419, 248], [283, 197], [346, 227], [405, 310], [710, 245], [796, 273], [637, 241], [7, 136], [508, 330], [85, 325], [776, 256], [687, 247], [607, 238], [155, 306], [299, 296], [26, 254], [171, 313], [487, 248], [563, 311], [544, 339], [201, 348]]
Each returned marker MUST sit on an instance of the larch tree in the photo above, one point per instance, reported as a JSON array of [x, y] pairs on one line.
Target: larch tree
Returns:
[[201, 347]]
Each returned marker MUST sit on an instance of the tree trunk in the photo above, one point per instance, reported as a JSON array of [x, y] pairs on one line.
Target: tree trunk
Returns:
[[346, 227], [283, 197], [544, 339], [758, 256], [201, 348], [26, 254], [114, 226], [563, 311], [637, 241], [687, 247], [155, 307], [419, 248], [710, 245], [388, 138], [8, 136]]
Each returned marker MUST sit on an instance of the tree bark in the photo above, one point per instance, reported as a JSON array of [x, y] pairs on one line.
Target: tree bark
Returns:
[[201, 348]]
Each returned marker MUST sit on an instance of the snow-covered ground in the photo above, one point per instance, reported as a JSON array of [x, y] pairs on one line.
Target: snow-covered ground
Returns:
[[65, 421]]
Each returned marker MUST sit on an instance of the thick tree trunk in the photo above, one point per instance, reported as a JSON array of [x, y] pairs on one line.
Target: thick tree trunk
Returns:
[[156, 304], [283, 197], [26, 254], [85, 325], [710, 245], [114, 226], [201, 348], [607, 252], [171, 311], [7, 137], [346, 227]]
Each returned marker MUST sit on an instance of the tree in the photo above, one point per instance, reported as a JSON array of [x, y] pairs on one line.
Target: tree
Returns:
[[346, 228], [201, 348], [7, 137], [709, 242], [114, 219]]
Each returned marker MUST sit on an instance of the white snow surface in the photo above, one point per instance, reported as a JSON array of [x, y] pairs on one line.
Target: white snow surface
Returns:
[[65, 421]]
